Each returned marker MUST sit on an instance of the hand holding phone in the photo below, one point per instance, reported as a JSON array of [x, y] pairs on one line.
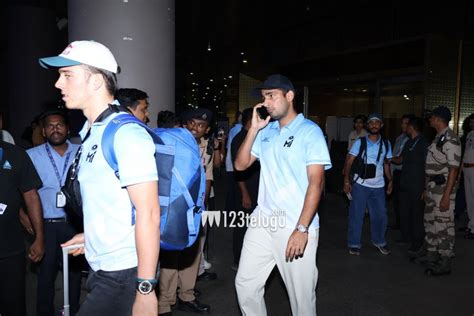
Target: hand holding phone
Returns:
[[262, 112]]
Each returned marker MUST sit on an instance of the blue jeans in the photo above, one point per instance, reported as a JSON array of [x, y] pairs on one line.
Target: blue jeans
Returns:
[[110, 293], [374, 200]]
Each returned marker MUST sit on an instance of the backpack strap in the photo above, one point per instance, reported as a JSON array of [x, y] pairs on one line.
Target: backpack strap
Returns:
[[362, 154], [189, 200], [363, 149], [109, 134], [384, 143]]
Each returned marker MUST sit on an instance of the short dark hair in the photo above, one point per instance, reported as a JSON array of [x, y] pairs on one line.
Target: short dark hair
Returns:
[[360, 117], [110, 78], [416, 123], [44, 116], [129, 97], [407, 116], [167, 119], [246, 115]]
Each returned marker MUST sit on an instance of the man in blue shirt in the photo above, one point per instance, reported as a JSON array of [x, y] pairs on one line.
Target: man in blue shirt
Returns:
[[121, 216], [283, 230], [52, 160], [367, 191]]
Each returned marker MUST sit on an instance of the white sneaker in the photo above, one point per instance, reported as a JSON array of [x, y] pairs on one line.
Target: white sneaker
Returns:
[[207, 265]]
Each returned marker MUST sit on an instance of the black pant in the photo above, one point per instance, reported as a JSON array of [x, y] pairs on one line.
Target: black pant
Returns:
[[110, 293], [396, 196], [411, 218], [12, 285], [54, 235]]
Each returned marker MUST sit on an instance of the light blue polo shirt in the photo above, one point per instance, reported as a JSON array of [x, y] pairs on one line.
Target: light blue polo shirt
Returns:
[[284, 155], [46, 171], [372, 152], [109, 228]]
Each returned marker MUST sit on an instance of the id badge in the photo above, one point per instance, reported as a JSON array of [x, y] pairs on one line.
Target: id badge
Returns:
[[60, 199]]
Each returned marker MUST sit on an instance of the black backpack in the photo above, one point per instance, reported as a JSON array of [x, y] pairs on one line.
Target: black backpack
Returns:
[[360, 165]]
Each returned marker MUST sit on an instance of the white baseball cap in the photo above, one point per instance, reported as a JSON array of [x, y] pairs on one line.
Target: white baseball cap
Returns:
[[83, 52]]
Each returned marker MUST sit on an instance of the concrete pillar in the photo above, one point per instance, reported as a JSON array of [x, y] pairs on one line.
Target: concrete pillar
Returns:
[[141, 35]]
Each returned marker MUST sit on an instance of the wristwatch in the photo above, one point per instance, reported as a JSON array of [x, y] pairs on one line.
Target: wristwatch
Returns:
[[146, 286], [301, 228]]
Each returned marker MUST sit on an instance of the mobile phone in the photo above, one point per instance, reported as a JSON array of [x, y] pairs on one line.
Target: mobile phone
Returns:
[[262, 112], [349, 196]]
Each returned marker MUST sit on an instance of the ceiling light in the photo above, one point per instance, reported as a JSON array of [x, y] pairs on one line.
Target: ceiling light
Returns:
[[244, 61]]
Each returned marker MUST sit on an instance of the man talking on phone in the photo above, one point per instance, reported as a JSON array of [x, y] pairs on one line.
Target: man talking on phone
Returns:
[[293, 156]]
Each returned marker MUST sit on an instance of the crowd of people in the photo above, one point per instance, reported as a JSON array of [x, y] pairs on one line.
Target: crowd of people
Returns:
[[275, 165], [421, 175]]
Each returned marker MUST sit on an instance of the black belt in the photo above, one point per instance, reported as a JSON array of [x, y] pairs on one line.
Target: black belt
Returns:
[[56, 220]]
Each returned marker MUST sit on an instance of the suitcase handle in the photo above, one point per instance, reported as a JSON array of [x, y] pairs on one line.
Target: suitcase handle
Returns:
[[66, 275]]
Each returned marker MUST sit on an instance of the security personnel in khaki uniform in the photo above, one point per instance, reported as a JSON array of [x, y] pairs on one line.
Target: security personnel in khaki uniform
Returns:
[[442, 164]]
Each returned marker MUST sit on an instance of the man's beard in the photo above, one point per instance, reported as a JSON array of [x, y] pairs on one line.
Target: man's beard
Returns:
[[57, 141], [374, 133]]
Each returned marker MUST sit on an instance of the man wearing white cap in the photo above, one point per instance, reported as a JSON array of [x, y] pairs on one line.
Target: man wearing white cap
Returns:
[[364, 180], [121, 216]]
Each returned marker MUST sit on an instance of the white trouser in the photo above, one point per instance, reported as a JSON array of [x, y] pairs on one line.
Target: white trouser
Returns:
[[469, 188], [263, 249]]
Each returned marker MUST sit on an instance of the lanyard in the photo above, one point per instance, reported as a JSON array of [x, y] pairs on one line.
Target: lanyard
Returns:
[[414, 144], [56, 171]]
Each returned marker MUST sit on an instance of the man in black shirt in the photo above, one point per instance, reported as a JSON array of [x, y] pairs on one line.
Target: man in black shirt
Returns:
[[18, 179], [247, 183], [412, 185]]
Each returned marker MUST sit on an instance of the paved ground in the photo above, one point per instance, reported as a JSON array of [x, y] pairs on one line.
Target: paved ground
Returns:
[[371, 284]]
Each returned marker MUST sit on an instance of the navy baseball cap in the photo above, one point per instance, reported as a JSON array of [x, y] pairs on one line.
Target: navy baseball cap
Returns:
[[274, 82], [443, 112], [375, 116], [200, 114]]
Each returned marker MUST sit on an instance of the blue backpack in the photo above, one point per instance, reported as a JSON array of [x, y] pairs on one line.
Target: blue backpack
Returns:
[[181, 183]]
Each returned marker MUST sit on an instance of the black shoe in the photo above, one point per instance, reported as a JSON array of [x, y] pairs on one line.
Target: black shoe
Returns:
[[469, 236], [383, 250], [354, 251], [442, 267], [464, 229], [197, 293], [166, 314], [401, 242], [207, 276], [414, 253], [394, 226], [193, 306]]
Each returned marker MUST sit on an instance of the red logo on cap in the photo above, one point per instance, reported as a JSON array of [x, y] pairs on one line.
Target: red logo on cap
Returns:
[[67, 50]]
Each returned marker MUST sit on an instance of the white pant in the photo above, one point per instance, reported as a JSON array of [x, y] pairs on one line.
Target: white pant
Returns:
[[469, 188], [263, 249]]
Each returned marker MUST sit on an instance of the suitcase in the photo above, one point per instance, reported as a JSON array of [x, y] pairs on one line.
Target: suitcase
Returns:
[[66, 276]]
